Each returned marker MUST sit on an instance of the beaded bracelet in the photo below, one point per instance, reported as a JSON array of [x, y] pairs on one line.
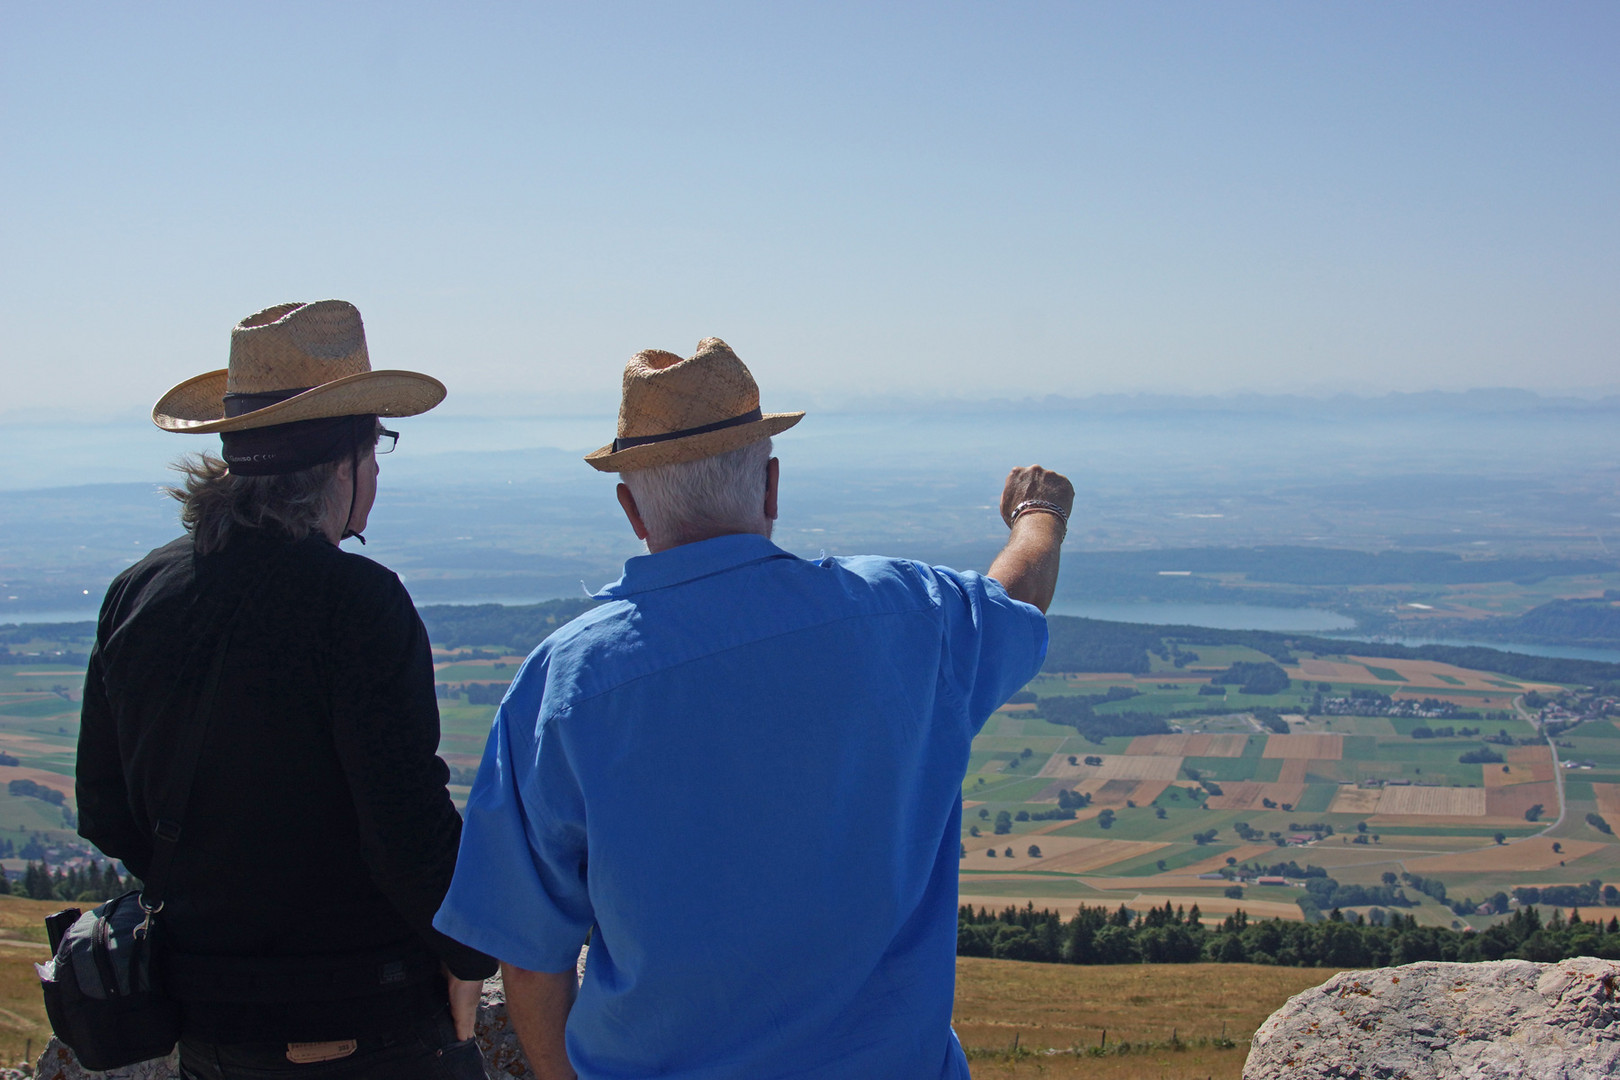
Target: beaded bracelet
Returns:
[[1040, 506]]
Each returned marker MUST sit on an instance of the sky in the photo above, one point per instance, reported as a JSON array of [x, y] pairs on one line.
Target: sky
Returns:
[[957, 200]]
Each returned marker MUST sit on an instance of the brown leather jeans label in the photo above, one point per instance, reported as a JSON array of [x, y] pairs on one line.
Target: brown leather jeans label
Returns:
[[310, 1053]]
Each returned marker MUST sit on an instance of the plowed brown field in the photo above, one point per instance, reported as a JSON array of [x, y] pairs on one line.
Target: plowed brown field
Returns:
[[1293, 771], [1121, 767], [1432, 801], [1317, 745], [1248, 794], [1513, 801], [1200, 745]]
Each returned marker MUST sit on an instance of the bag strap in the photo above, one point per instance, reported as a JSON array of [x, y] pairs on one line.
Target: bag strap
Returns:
[[171, 815]]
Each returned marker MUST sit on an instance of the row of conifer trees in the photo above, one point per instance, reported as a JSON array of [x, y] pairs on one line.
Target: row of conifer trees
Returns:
[[91, 884], [1096, 935]]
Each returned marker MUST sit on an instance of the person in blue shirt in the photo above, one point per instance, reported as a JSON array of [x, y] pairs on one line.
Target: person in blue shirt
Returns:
[[741, 776]]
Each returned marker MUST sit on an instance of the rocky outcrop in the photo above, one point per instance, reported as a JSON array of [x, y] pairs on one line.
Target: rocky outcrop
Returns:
[[503, 1057], [1506, 1020]]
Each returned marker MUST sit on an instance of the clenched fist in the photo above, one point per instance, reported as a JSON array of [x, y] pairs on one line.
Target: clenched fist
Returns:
[[1033, 482]]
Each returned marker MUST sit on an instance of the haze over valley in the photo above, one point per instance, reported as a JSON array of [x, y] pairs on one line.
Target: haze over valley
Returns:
[[1410, 515]]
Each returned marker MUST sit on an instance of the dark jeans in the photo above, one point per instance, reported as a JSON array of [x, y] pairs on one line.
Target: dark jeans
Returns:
[[427, 1051]]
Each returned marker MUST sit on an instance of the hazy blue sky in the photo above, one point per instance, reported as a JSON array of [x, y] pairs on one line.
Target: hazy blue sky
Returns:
[[959, 199]]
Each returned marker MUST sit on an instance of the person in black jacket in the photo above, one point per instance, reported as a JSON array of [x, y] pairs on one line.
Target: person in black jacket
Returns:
[[318, 837]]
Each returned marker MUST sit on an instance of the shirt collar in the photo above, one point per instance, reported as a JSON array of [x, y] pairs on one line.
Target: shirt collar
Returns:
[[688, 562]]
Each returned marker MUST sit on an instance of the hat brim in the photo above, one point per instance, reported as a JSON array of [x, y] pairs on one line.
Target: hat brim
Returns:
[[197, 406], [691, 447]]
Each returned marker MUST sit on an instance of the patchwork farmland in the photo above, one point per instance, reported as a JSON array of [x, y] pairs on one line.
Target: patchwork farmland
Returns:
[[1371, 771], [1138, 787]]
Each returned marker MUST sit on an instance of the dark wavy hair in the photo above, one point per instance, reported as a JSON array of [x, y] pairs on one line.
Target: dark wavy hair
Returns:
[[214, 503]]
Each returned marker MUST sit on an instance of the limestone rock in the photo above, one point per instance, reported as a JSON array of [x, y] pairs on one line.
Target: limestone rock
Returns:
[[1503, 1019], [503, 1056], [58, 1063]]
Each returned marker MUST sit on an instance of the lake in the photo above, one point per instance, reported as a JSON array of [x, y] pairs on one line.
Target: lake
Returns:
[[1560, 652], [1298, 620], [1216, 616]]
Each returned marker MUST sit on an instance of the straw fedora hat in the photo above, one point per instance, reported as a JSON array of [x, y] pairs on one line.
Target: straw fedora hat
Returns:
[[294, 362], [676, 410]]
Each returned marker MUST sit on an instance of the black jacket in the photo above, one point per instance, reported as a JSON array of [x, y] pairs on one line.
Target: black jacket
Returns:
[[319, 829]]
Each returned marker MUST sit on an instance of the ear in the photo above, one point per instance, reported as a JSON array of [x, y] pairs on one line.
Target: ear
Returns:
[[627, 502], [773, 475]]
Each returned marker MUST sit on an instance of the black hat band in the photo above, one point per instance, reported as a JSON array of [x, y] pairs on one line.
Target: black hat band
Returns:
[[643, 440], [302, 444]]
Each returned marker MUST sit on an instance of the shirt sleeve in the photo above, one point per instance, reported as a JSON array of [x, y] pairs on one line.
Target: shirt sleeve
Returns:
[[993, 644], [385, 722], [519, 891], [102, 796]]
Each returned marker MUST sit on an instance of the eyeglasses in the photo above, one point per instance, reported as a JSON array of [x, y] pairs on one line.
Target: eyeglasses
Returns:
[[386, 440]]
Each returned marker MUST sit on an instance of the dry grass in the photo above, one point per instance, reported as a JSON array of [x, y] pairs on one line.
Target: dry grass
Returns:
[[1354, 800], [1497, 776], [1055, 1006], [23, 1028], [1532, 853], [1043, 1006]]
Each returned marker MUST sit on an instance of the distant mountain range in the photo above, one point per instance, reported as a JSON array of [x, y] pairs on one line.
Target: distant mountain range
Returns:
[[1477, 402]]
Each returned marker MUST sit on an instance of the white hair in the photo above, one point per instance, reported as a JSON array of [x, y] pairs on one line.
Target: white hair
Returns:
[[692, 500]]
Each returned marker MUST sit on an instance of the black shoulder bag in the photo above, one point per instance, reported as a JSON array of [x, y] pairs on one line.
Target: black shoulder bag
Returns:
[[103, 993]]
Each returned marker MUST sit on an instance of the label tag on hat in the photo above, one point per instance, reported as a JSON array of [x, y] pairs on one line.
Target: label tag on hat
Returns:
[[310, 1053]]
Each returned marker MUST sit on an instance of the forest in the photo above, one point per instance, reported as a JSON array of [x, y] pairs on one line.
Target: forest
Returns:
[[1096, 935]]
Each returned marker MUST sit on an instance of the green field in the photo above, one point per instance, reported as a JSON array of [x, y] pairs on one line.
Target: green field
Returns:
[[499, 671], [1373, 750], [39, 725]]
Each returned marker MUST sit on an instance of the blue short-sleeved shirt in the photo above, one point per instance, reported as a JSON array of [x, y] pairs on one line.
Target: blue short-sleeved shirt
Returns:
[[745, 774]]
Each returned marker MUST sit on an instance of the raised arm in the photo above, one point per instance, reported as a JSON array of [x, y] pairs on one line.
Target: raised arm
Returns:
[[1028, 566]]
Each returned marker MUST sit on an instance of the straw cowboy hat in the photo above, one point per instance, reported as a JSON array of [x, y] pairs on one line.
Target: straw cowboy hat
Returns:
[[676, 410], [294, 362]]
